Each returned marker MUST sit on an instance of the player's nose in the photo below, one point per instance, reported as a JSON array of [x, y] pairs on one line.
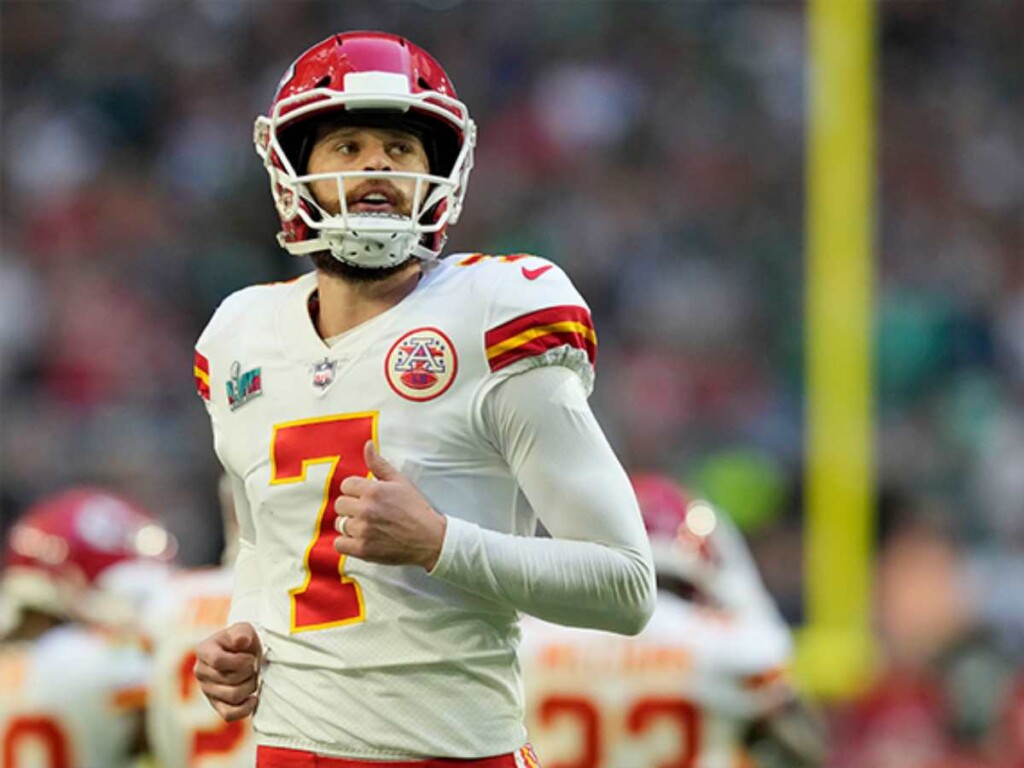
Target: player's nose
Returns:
[[376, 157]]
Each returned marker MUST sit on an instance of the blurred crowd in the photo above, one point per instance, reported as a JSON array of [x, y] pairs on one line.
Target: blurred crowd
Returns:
[[656, 151]]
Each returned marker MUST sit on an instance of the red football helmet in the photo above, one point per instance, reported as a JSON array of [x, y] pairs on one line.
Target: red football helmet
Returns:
[[698, 544], [374, 79], [681, 529], [85, 554]]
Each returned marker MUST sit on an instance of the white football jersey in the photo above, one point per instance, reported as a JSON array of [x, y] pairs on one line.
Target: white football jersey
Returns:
[[680, 693], [365, 660], [70, 699], [184, 730]]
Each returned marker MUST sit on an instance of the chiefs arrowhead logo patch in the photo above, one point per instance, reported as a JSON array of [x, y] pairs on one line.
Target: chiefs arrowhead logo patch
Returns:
[[421, 365]]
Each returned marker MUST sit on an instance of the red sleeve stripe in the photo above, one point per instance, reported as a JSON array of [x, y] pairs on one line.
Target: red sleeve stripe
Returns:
[[201, 371], [514, 327], [536, 332], [472, 259], [202, 364]]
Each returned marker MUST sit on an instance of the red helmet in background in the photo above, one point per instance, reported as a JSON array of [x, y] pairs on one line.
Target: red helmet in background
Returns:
[[373, 79], [87, 555], [694, 542], [680, 529]]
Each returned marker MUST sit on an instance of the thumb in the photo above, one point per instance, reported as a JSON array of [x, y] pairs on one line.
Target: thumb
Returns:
[[377, 464], [242, 638]]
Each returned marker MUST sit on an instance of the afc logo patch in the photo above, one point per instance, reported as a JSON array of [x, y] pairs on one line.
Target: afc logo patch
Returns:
[[421, 365]]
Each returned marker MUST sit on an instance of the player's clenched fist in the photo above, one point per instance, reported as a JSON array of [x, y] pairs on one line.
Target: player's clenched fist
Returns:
[[387, 520], [227, 668]]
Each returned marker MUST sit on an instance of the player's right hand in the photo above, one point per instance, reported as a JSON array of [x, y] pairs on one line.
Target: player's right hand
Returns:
[[227, 668]]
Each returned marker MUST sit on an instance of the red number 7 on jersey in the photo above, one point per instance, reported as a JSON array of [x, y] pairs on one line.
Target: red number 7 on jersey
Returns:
[[327, 598]]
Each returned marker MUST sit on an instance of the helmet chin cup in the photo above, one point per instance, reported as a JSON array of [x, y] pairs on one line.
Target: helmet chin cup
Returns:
[[371, 242]]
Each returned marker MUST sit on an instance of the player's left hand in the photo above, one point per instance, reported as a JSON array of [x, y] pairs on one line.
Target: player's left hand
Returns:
[[387, 520]]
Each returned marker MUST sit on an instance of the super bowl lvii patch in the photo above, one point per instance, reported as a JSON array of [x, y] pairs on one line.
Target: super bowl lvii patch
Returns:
[[243, 387]]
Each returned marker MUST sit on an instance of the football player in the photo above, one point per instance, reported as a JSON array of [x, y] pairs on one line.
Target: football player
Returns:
[[77, 568], [184, 732], [704, 678], [393, 426]]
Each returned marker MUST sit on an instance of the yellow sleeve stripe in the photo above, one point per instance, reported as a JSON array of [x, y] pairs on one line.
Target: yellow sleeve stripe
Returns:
[[566, 326]]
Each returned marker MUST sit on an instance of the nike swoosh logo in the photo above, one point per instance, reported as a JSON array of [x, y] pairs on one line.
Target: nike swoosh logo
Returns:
[[533, 274]]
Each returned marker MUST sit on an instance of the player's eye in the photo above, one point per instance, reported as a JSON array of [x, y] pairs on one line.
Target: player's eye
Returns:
[[347, 147], [401, 148]]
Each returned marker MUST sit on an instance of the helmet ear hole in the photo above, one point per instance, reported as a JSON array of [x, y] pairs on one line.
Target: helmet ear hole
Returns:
[[297, 143]]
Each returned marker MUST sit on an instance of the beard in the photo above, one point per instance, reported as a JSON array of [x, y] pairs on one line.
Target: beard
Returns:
[[325, 262]]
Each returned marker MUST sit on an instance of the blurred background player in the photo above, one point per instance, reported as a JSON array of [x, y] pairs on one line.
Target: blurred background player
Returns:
[[703, 686], [184, 731], [76, 569], [947, 694]]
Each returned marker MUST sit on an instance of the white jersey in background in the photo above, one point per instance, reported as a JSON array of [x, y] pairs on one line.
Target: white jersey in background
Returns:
[[70, 699], [390, 662], [184, 731], [681, 693]]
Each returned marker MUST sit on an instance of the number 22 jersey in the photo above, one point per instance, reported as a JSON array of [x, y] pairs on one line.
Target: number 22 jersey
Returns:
[[681, 693], [365, 660]]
